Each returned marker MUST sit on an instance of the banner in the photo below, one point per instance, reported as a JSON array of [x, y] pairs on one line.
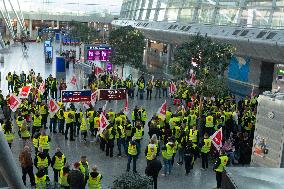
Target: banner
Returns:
[[112, 94], [172, 87], [103, 123], [73, 80], [94, 96], [25, 91], [76, 96], [162, 110], [53, 106], [14, 102], [125, 110], [98, 70], [42, 87], [217, 139]]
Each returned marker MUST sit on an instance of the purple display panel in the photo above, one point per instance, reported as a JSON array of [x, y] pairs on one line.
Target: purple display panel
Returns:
[[90, 55], [109, 66], [99, 54]]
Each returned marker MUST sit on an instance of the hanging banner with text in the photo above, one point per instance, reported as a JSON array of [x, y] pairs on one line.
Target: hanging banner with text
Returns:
[[76, 96], [112, 94]]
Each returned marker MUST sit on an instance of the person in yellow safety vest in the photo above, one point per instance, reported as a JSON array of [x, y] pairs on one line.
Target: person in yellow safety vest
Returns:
[[70, 119], [132, 154], [168, 115], [96, 123], [57, 163], [84, 168], [205, 149], [42, 160], [90, 116], [128, 131], [209, 124], [111, 132], [176, 131], [19, 122], [36, 141], [84, 128], [43, 110], [138, 133], [94, 181], [44, 141], [25, 134], [167, 153], [117, 121], [120, 138], [8, 132], [9, 78], [151, 151], [63, 177], [37, 119], [165, 87], [61, 120], [143, 116], [149, 89], [141, 87], [219, 166], [41, 179], [111, 115], [194, 135], [193, 119]]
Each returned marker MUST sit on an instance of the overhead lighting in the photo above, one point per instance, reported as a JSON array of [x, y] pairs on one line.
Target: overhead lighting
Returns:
[[91, 4]]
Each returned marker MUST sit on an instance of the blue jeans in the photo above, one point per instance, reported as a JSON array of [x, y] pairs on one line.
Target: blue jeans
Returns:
[[130, 158], [180, 155], [231, 157], [121, 141], [167, 166]]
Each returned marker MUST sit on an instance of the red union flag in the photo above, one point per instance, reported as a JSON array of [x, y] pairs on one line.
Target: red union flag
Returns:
[[98, 70], [73, 80], [25, 91], [125, 110], [172, 87], [103, 122], [53, 106], [42, 87], [217, 139], [14, 102], [162, 110], [94, 98]]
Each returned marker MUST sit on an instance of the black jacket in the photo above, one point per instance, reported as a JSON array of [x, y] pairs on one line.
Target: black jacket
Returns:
[[76, 179], [153, 168]]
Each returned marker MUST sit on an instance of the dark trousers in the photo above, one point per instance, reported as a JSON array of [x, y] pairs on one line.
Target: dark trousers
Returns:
[[130, 158], [102, 144], [188, 163], [165, 92], [71, 127], [121, 141], [204, 157], [158, 92], [54, 93], [219, 179], [149, 94], [155, 180], [61, 125], [30, 172], [35, 129], [44, 120], [109, 148], [84, 134], [52, 124], [56, 175]]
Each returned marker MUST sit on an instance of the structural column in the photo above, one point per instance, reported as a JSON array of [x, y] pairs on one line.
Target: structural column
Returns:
[[57, 24], [169, 53], [31, 28], [18, 29], [52, 23]]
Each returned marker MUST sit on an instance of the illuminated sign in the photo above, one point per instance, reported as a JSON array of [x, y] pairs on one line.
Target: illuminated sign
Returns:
[[76, 96], [112, 94]]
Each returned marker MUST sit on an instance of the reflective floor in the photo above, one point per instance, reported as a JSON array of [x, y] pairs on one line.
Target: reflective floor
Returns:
[[108, 167]]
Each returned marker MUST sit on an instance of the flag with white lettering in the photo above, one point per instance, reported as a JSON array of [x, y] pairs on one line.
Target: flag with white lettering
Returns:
[[53, 106], [73, 80], [172, 87], [94, 96], [14, 102], [103, 123], [162, 110], [125, 110], [25, 91], [42, 87], [217, 139]]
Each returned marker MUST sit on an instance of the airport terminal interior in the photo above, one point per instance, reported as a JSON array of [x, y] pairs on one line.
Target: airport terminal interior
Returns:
[[141, 94]]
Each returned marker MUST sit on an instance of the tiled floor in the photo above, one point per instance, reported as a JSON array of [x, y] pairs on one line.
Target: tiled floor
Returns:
[[109, 167]]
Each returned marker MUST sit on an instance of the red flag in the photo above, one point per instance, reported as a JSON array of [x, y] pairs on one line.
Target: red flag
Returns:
[[172, 87], [103, 122], [94, 98], [42, 87], [217, 139], [25, 91], [162, 110], [193, 79], [125, 110], [73, 80], [14, 102], [53, 106], [98, 70], [104, 108]]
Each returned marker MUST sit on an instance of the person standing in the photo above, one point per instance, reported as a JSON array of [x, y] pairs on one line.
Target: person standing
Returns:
[[57, 163], [41, 179], [149, 89], [43, 110], [132, 154], [158, 87], [26, 161], [219, 166], [44, 141], [63, 177], [54, 88], [188, 157], [94, 181], [8, 132], [84, 168], [53, 123], [205, 149], [69, 117], [165, 86], [151, 151], [111, 132], [76, 178], [153, 169], [167, 153], [42, 160]]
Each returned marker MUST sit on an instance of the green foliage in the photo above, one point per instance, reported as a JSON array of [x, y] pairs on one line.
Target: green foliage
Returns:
[[132, 181], [128, 44], [208, 54], [82, 32]]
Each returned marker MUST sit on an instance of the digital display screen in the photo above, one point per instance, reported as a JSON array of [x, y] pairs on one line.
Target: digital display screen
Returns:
[[99, 53], [112, 94]]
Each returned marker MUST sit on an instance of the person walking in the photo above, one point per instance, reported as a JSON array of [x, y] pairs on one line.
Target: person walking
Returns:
[[188, 157], [94, 181], [132, 154], [57, 163], [205, 149], [153, 168], [167, 153], [219, 166], [76, 178], [26, 161]]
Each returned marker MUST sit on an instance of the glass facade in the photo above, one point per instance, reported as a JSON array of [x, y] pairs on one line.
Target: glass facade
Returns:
[[250, 13]]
